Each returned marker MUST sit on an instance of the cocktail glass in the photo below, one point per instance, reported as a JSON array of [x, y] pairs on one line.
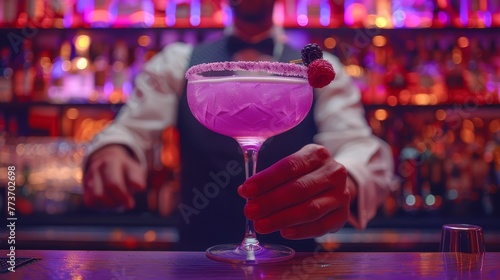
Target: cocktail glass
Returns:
[[250, 102]]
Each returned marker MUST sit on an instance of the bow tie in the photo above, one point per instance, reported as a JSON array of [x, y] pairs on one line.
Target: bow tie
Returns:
[[235, 44]]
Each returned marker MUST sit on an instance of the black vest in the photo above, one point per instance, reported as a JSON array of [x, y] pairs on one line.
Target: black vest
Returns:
[[211, 211]]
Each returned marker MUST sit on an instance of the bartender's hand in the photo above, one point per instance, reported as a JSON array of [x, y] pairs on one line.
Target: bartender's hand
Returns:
[[112, 177], [304, 195]]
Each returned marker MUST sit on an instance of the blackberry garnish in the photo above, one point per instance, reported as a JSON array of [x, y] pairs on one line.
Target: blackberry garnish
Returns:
[[310, 53]]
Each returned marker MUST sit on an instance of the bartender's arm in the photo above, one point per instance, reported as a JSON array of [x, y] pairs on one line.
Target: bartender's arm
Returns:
[[115, 166]]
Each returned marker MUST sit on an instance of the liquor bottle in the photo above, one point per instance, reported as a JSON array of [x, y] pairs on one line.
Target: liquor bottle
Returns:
[[60, 68], [478, 14], [120, 73], [440, 15], [460, 10], [431, 175], [395, 78], [318, 12], [59, 9], [8, 13], [454, 72], [39, 13], [41, 79], [359, 13], [160, 7], [476, 77], [132, 13], [99, 13], [408, 169], [412, 13], [337, 11], [211, 14], [6, 73], [68, 13], [429, 73], [494, 11], [79, 82], [171, 13], [24, 72], [101, 73]]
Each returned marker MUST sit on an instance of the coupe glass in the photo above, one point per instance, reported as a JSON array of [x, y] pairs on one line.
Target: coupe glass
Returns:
[[250, 102]]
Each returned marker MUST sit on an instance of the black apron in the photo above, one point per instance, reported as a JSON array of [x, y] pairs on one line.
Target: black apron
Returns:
[[211, 211]]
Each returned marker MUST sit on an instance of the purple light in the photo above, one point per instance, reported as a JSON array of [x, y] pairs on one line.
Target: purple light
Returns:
[[348, 17], [487, 18], [195, 16], [413, 21], [149, 10], [443, 17], [490, 86], [87, 8], [68, 18], [399, 17], [81, 4], [170, 13], [324, 13], [302, 18], [127, 88], [228, 15], [108, 89], [297, 39], [464, 12]]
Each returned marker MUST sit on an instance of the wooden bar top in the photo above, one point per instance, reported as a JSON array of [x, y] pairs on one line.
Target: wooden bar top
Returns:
[[195, 265]]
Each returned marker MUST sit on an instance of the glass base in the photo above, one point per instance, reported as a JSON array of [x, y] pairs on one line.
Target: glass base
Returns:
[[236, 253]]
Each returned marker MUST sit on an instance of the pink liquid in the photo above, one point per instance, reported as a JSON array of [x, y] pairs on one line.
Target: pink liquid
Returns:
[[250, 109]]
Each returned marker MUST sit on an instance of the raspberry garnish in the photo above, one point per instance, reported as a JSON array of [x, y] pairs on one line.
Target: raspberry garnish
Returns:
[[320, 73], [310, 53]]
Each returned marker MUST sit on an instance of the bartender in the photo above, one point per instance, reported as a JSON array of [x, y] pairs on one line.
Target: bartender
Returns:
[[312, 180]]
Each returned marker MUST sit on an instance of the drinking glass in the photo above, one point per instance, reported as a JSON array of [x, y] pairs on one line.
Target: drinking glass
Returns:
[[250, 102]]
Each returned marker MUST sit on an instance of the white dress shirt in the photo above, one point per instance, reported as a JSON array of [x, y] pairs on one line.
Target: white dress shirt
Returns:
[[338, 112]]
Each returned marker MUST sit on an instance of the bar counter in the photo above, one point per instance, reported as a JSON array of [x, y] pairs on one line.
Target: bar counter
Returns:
[[52, 264]]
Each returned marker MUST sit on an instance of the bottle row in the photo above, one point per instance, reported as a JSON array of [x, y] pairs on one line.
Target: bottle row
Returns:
[[421, 67], [217, 13], [403, 67], [447, 160]]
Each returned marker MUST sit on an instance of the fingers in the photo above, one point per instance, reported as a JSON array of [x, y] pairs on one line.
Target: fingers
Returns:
[[135, 177], [111, 183], [114, 182], [331, 222], [312, 210], [94, 192], [286, 195], [307, 159]]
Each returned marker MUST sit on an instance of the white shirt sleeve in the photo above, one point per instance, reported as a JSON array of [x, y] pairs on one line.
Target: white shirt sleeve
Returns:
[[152, 105], [343, 130]]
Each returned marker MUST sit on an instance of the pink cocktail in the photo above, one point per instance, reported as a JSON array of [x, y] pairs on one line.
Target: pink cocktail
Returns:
[[250, 109], [250, 102]]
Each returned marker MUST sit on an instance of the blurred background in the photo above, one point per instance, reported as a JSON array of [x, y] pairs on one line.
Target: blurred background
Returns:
[[429, 71]]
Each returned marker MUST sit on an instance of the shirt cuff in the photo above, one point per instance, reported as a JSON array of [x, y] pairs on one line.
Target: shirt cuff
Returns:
[[105, 139], [366, 199]]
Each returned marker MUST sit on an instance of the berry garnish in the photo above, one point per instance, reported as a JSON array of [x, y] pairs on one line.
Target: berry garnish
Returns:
[[320, 73], [310, 53]]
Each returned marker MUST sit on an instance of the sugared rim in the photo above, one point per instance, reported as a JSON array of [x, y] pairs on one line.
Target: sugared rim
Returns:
[[278, 68]]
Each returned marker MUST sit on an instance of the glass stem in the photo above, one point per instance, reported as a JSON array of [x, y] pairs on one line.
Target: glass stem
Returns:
[[250, 241]]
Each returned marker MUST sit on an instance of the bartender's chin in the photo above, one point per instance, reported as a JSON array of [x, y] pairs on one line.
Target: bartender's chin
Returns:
[[252, 18]]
